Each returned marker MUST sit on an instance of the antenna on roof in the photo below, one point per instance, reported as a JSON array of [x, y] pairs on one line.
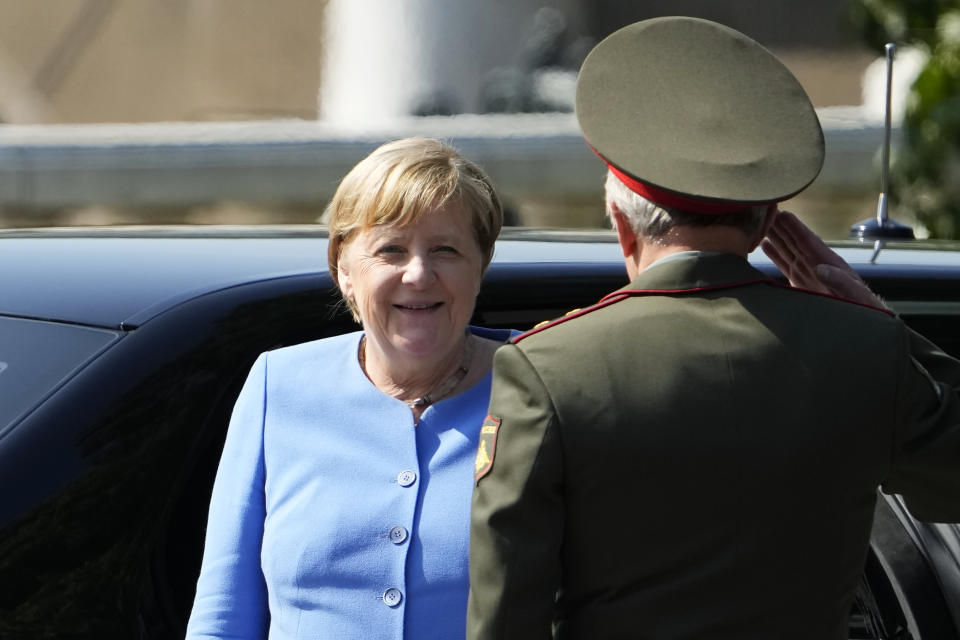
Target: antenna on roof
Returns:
[[881, 227]]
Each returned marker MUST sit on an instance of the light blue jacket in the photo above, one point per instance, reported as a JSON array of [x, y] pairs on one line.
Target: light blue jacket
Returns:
[[331, 515]]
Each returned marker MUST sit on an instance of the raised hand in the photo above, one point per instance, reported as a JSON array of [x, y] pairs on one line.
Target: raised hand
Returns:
[[808, 263]]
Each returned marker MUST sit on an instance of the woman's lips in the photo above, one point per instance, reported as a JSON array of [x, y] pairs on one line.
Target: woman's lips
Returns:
[[427, 306]]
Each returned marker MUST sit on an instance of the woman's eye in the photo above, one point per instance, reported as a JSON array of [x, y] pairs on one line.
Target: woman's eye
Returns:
[[390, 248], [445, 249]]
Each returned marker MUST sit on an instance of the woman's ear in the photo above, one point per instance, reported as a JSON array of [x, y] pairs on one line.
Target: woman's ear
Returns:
[[343, 278]]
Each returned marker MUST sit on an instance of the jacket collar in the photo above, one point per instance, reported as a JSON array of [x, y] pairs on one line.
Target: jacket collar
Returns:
[[695, 272], [686, 273]]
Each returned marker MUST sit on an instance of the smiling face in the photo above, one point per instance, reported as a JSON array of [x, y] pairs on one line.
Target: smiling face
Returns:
[[414, 287]]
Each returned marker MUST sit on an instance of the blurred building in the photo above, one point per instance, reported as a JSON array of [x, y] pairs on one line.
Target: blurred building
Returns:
[[82, 61], [350, 63]]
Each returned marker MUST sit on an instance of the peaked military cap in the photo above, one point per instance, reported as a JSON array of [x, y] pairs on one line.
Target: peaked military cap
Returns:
[[697, 116]]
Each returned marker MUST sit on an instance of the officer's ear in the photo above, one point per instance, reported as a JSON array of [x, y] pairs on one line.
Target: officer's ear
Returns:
[[625, 234]]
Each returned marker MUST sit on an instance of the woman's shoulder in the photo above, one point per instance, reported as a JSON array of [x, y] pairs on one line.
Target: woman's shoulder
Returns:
[[325, 350]]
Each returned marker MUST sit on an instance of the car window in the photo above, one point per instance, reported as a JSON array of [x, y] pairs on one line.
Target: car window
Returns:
[[36, 357]]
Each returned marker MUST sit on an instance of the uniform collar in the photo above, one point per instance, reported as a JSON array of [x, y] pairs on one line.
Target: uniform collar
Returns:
[[696, 270], [691, 272], [679, 255]]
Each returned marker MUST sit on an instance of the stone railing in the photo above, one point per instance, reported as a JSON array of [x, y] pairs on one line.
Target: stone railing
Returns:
[[285, 171]]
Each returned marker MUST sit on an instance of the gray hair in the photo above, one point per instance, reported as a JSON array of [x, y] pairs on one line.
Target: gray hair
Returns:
[[654, 221]]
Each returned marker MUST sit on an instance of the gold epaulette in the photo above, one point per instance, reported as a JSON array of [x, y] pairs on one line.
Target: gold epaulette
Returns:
[[569, 315], [546, 322]]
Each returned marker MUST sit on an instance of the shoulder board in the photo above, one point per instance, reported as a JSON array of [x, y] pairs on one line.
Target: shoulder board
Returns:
[[607, 300]]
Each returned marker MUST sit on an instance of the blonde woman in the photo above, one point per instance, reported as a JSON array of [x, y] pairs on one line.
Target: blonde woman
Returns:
[[341, 505]]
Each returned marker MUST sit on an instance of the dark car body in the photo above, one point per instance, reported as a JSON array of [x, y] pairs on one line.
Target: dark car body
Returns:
[[122, 351]]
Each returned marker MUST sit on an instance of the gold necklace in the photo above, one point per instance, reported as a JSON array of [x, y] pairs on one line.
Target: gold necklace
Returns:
[[441, 391]]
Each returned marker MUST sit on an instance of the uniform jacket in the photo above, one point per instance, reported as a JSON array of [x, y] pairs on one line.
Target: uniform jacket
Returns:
[[700, 459], [331, 515]]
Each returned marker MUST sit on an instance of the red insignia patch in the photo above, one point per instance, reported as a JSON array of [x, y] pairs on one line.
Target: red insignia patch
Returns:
[[487, 447]]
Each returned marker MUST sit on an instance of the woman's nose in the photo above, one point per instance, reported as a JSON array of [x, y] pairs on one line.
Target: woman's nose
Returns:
[[417, 270]]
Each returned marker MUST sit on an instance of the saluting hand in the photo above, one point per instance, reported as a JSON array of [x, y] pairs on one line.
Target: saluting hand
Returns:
[[810, 264]]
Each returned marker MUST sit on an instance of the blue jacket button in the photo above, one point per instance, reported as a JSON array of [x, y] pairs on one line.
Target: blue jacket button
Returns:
[[398, 535], [392, 597]]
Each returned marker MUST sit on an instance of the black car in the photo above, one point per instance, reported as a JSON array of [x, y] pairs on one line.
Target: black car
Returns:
[[122, 351]]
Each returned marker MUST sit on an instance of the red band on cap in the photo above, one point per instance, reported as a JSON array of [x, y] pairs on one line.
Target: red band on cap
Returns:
[[672, 200]]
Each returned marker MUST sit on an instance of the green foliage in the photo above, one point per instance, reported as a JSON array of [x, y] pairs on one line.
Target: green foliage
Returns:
[[925, 175]]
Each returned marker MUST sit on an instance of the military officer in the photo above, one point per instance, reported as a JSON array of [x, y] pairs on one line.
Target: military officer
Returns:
[[682, 460]]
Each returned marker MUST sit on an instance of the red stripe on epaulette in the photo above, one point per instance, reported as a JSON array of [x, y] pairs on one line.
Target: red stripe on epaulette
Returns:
[[605, 302]]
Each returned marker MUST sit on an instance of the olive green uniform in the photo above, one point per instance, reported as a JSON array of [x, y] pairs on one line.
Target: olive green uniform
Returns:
[[699, 459]]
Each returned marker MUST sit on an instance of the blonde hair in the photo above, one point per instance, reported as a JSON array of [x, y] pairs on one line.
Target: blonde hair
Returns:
[[403, 180]]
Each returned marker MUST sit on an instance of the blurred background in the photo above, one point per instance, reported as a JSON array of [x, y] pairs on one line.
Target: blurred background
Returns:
[[243, 111]]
